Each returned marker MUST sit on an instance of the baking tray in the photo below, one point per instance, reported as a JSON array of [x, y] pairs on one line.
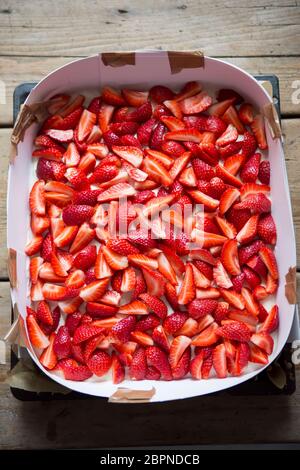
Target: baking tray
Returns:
[[264, 383]]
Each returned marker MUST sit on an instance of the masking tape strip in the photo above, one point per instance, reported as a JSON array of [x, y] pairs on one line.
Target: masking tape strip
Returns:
[[12, 267], [118, 59], [126, 395], [271, 115], [180, 60], [291, 285]]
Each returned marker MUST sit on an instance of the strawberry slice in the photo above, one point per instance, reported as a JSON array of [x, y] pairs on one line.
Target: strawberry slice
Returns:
[[143, 260], [234, 163], [258, 203], [37, 199], [179, 164], [160, 338], [187, 290], [135, 98], [249, 172], [128, 280], [233, 298], [71, 157], [48, 358], [174, 107], [158, 359], [116, 191], [177, 348], [132, 155], [207, 337], [227, 228], [221, 277], [94, 291], [269, 260], [229, 135], [156, 305], [142, 338], [112, 96], [64, 136], [271, 323], [231, 117], [266, 229], [235, 330], [138, 366], [249, 230], [219, 361], [86, 124], [115, 260], [253, 188], [155, 282], [136, 307], [156, 171], [196, 103], [105, 116], [258, 129], [201, 198], [264, 341], [188, 90], [229, 257], [190, 135], [37, 338], [246, 113], [172, 123], [227, 177], [257, 355], [160, 93]]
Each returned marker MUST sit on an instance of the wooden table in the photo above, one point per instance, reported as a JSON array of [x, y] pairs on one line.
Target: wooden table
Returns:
[[261, 36]]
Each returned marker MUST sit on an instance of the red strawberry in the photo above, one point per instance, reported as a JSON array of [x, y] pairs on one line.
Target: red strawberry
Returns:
[[123, 128], [85, 332], [249, 144], [229, 135], [44, 314], [87, 197], [103, 173], [249, 172], [147, 323], [183, 366], [157, 137], [158, 359], [266, 229], [49, 170], [251, 277], [269, 259], [140, 114], [73, 321], [138, 366], [219, 361], [264, 172], [36, 335], [199, 308], [264, 341], [235, 330], [238, 217], [257, 355], [112, 96], [271, 323], [86, 257], [221, 311], [142, 197], [160, 93], [246, 113], [144, 131], [196, 103], [231, 117], [248, 232], [122, 246], [94, 106], [205, 268], [116, 192], [187, 290], [246, 252], [77, 178], [233, 298], [118, 372], [111, 138], [99, 363], [77, 214], [122, 329], [202, 170], [230, 149], [156, 305], [258, 129], [62, 343], [72, 370], [48, 357], [229, 257], [229, 94]]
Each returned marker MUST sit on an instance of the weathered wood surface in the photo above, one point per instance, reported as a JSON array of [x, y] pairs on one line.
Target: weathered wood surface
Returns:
[[231, 28], [16, 70]]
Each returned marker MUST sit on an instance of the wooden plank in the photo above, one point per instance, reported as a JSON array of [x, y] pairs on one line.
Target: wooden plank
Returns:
[[292, 149], [32, 425], [258, 27], [16, 70]]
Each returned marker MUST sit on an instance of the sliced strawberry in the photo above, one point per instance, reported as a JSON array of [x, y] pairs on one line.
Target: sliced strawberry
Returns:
[[249, 172], [246, 113], [94, 291], [142, 338], [116, 191], [190, 135], [196, 103], [155, 282], [229, 257], [257, 355], [173, 148], [99, 363], [269, 259], [227, 177], [253, 188], [249, 144], [160, 93], [136, 307], [123, 328], [233, 298], [156, 305], [264, 341], [105, 116], [231, 117], [201, 198], [48, 357], [258, 129], [207, 337], [158, 359], [37, 338], [264, 172], [235, 330], [187, 290], [199, 308], [174, 107], [249, 230], [157, 171], [229, 135], [266, 229], [138, 366], [221, 277], [188, 90], [177, 348], [112, 96], [219, 361], [134, 98], [37, 199]]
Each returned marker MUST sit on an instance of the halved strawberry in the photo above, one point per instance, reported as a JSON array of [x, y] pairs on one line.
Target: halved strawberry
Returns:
[[253, 188], [37, 198], [249, 230], [227, 228], [114, 260], [196, 103], [135, 98], [105, 116], [187, 290], [50, 153], [190, 135], [264, 172], [156, 305], [112, 96], [266, 229], [94, 291], [128, 280], [177, 348], [201, 198], [86, 123], [221, 277], [264, 341], [207, 337], [249, 172], [231, 117], [156, 171], [174, 107], [227, 177], [136, 307], [234, 163], [233, 298], [268, 257], [138, 366], [235, 330], [229, 135], [219, 361], [48, 357], [258, 129], [188, 90], [36, 335], [229, 257], [75, 279], [246, 113], [158, 359], [155, 282], [257, 355], [179, 164], [116, 191]]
